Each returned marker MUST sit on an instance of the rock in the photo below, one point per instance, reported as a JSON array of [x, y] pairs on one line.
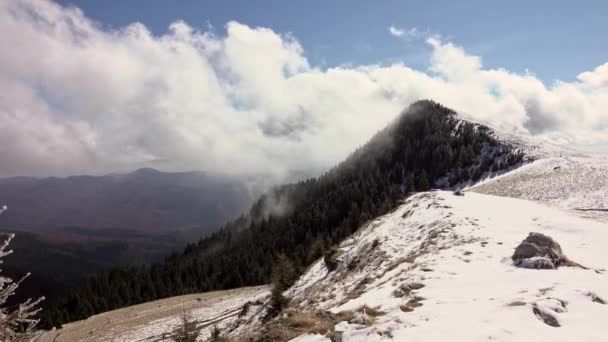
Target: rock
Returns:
[[360, 319], [595, 298], [545, 317], [526, 250], [538, 251], [415, 286]]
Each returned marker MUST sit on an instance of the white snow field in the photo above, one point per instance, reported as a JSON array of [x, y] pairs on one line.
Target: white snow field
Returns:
[[441, 270]]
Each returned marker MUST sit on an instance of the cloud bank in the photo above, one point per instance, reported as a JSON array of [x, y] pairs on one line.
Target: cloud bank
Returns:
[[79, 98]]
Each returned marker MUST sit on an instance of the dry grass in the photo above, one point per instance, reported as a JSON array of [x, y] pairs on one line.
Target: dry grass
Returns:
[[358, 290], [295, 323], [373, 312]]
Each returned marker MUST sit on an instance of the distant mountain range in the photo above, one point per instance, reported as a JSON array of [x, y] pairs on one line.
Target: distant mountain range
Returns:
[[145, 200], [70, 228]]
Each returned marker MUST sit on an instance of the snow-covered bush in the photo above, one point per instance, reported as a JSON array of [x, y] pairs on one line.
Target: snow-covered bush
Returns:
[[17, 322]]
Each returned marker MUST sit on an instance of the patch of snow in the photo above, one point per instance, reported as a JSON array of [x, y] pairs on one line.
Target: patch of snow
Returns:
[[310, 338]]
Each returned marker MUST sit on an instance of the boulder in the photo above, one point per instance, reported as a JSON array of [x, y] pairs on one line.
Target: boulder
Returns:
[[538, 251]]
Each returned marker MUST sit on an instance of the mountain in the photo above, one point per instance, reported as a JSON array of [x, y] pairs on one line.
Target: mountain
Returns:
[[426, 146], [145, 200], [438, 266]]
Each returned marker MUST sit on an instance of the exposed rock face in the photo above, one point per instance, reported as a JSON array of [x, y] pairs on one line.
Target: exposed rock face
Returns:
[[538, 251]]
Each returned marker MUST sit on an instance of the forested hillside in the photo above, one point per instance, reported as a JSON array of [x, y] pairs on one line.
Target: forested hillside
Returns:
[[422, 146]]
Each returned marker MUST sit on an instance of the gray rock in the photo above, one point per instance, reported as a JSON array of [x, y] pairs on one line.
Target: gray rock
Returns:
[[538, 251]]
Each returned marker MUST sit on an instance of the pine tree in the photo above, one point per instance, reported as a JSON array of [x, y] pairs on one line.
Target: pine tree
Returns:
[[186, 331], [423, 182], [317, 250], [283, 276], [283, 273]]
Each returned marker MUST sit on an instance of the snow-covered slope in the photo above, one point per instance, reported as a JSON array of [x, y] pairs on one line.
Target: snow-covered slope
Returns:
[[577, 182], [439, 268]]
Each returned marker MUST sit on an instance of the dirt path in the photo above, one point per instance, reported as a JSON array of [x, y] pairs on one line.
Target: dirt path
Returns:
[[150, 321]]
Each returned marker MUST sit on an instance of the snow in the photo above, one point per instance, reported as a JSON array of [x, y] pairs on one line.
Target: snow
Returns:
[[311, 338], [459, 248], [569, 182]]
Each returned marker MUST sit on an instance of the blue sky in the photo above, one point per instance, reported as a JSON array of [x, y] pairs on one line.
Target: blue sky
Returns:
[[551, 39]]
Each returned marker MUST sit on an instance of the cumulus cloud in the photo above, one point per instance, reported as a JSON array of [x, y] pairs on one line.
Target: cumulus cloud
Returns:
[[79, 98]]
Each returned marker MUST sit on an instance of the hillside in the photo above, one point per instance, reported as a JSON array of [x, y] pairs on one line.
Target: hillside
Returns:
[[155, 321], [440, 265], [426, 144], [437, 266], [69, 229]]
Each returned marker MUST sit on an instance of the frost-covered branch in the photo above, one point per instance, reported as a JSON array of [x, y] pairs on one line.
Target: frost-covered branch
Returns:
[[17, 322]]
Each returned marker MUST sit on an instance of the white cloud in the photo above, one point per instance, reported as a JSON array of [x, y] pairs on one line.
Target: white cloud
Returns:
[[78, 98], [407, 34], [397, 32]]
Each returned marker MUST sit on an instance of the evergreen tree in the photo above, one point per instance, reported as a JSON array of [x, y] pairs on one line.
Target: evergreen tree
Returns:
[[186, 330], [423, 182]]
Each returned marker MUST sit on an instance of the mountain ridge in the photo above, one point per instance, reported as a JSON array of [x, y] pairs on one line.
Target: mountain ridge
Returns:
[[421, 145], [413, 272]]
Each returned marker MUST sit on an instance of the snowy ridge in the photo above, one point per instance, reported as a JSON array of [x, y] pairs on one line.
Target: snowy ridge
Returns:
[[533, 147], [441, 268]]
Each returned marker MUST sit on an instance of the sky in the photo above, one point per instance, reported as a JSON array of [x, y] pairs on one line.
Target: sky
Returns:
[[243, 87], [545, 37]]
